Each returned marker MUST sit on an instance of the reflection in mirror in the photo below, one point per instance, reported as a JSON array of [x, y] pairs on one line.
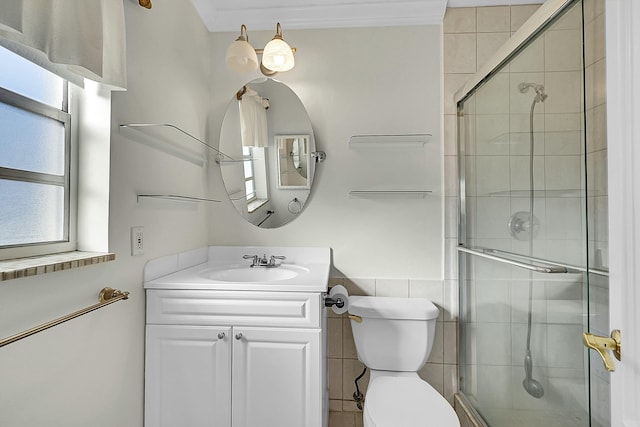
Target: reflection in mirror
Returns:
[[268, 138], [293, 161]]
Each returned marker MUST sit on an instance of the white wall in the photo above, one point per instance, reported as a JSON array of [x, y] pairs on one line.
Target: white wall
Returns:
[[355, 81], [89, 372]]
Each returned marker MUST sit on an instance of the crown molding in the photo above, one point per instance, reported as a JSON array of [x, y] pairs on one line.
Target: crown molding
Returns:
[[315, 14], [481, 3]]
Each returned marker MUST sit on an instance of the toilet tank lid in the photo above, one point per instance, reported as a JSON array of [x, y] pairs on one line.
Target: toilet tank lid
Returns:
[[393, 308]]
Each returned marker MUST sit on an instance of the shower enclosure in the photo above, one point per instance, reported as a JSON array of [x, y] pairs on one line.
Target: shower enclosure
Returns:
[[532, 248]]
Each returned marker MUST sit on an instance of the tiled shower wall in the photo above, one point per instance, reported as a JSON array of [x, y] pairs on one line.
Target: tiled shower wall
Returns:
[[460, 61]]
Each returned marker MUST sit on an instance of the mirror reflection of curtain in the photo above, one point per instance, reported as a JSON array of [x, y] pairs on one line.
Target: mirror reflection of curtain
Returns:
[[71, 38], [253, 119]]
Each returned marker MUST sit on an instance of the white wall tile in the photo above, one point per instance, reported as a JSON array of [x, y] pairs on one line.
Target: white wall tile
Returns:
[[564, 218], [451, 217], [492, 134], [437, 351], [493, 216], [392, 288], [460, 53], [563, 173], [520, 179], [459, 20], [488, 44], [450, 342], [492, 174], [597, 173], [520, 136], [520, 14], [493, 19], [451, 181], [563, 134], [565, 92], [563, 50], [334, 337], [490, 350], [531, 59], [569, 339], [493, 97], [450, 132], [494, 386], [493, 301], [520, 301], [596, 128], [596, 85], [360, 286]]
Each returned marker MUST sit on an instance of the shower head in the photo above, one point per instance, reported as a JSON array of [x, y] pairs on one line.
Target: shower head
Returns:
[[531, 386], [540, 95]]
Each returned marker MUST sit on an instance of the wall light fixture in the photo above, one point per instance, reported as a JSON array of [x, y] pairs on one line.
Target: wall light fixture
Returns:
[[277, 55]]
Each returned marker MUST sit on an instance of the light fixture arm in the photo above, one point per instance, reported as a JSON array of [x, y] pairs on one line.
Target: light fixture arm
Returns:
[[278, 32], [244, 36]]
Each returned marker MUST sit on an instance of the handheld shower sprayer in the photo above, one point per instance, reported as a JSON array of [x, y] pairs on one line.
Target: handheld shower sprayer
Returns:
[[538, 88]]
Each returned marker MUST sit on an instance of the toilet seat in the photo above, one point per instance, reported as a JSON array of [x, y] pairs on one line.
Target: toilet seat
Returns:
[[406, 402]]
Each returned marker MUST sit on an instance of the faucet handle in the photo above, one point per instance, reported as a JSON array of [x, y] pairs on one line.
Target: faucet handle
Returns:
[[272, 260], [254, 259]]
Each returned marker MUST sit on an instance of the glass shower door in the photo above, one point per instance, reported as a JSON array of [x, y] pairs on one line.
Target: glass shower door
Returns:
[[531, 246]]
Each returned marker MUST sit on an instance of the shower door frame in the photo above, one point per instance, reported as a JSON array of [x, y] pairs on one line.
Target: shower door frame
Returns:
[[623, 129], [545, 15]]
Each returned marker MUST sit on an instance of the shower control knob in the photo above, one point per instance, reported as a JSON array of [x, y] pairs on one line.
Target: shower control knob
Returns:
[[221, 336], [239, 336]]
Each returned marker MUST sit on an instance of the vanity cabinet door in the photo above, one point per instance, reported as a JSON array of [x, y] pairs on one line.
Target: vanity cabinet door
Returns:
[[187, 376], [276, 377]]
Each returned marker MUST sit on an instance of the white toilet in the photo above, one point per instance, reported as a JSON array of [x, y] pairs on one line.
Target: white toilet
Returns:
[[393, 339]]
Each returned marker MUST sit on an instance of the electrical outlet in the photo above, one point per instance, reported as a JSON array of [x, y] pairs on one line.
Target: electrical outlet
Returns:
[[137, 241]]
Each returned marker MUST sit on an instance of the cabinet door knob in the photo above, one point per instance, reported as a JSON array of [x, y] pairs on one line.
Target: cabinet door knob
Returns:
[[221, 336], [239, 336]]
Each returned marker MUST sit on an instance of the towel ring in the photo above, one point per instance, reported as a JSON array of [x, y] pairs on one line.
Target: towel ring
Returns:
[[295, 206]]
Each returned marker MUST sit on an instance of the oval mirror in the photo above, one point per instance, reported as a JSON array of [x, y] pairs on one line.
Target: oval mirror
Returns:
[[269, 149]]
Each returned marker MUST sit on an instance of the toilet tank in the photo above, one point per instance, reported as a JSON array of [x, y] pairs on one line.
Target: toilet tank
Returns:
[[396, 334]]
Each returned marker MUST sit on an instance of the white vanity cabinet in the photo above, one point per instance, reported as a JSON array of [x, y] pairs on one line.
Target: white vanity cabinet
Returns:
[[234, 359]]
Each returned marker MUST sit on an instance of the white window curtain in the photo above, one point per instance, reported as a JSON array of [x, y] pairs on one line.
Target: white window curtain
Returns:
[[75, 39], [253, 119]]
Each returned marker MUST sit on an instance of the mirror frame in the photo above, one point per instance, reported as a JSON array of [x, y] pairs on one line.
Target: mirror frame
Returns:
[[307, 160]]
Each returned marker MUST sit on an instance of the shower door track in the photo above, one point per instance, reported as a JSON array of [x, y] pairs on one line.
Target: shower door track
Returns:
[[551, 267]]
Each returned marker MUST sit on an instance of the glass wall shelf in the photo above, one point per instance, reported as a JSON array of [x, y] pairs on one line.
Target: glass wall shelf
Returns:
[[406, 194], [172, 140], [175, 197], [389, 141]]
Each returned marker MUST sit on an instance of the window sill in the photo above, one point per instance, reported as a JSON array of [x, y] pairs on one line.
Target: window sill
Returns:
[[33, 266], [256, 204]]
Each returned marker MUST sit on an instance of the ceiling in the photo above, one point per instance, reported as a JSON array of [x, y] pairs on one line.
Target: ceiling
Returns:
[[228, 15]]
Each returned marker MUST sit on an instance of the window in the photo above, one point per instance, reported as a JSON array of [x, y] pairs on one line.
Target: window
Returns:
[[35, 157], [249, 175]]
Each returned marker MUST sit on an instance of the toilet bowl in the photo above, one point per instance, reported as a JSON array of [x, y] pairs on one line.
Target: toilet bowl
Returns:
[[393, 338]]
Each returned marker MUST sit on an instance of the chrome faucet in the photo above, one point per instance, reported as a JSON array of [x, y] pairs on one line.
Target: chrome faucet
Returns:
[[264, 262]]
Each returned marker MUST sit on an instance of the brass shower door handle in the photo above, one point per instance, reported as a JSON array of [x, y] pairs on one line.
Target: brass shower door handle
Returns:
[[602, 344]]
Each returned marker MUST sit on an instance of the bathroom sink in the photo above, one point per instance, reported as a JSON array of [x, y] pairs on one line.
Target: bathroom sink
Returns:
[[299, 269], [246, 274]]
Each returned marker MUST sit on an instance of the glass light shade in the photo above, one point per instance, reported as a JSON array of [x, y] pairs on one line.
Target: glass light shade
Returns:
[[278, 56], [241, 56]]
